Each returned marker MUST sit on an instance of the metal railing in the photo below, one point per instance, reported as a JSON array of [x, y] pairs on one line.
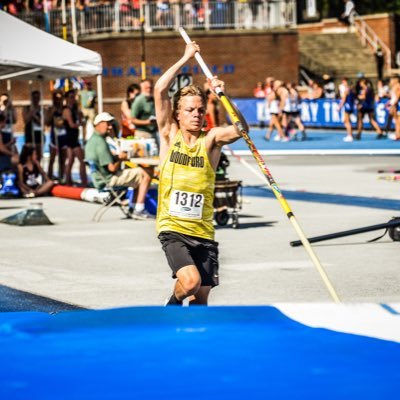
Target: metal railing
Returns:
[[369, 37], [161, 16]]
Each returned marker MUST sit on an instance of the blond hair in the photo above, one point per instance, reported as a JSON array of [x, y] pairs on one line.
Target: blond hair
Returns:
[[191, 90]]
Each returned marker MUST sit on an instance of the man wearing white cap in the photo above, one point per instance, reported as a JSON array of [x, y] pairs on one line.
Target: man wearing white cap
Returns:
[[109, 171]]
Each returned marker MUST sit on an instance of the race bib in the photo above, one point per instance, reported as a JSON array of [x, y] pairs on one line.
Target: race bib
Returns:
[[186, 204]]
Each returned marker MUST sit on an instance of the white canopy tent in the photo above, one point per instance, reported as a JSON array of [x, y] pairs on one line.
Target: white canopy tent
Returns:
[[31, 54]]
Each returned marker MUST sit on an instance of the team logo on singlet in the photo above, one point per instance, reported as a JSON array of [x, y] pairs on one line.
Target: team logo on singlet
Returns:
[[183, 159]]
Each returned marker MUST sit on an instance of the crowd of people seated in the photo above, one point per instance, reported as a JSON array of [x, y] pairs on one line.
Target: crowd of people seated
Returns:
[[164, 14]]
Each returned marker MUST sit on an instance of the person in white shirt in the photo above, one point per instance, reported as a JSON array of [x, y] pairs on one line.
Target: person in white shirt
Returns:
[[347, 16]]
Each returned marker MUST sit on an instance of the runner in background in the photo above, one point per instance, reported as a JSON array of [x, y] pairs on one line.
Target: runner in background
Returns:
[[274, 105], [395, 106], [295, 111], [347, 103], [366, 105]]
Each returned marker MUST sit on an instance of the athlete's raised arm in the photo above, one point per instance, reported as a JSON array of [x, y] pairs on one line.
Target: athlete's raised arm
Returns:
[[162, 101]]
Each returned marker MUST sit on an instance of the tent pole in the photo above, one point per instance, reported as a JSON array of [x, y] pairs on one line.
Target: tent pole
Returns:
[[64, 20], [99, 94], [46, 16], [41, 121], [73, 19]]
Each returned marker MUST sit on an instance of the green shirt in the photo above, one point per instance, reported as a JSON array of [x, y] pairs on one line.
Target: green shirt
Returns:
[[142, 108], [87, 98], [97, 151]]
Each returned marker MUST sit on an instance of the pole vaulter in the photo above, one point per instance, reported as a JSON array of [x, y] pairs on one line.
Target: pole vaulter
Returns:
[[238, 119]]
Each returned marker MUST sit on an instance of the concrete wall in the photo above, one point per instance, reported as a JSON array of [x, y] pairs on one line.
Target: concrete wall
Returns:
[[382, 24]]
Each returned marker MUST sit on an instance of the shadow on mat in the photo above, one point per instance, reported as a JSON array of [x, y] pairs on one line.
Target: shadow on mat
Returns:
[[12, 300]]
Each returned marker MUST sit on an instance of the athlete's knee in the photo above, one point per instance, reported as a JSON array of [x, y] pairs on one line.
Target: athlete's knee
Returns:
[[190, 283]]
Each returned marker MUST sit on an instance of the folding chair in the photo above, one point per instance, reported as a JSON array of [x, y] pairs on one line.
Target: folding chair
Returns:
[[117, 195]]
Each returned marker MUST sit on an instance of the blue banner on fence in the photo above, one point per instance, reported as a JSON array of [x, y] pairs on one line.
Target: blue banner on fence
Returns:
[[321, 113]]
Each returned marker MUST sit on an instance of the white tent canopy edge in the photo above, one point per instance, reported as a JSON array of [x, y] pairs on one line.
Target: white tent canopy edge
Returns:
[[28, 53]]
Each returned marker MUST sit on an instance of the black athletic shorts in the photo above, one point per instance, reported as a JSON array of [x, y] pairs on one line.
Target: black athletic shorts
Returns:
[[182, 250]]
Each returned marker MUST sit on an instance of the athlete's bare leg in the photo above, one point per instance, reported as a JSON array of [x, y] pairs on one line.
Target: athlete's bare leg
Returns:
[[188, 282], [201, 296]]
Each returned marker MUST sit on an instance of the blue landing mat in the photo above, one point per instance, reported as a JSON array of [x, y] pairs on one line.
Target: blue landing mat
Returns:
[[196, 353]]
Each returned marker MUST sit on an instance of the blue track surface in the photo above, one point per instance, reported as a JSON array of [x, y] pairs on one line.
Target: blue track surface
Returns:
[[197, 353], [327, 198], [319, 140]]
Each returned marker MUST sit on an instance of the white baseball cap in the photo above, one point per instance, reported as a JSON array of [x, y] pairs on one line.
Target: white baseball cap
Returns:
[[102, 117]]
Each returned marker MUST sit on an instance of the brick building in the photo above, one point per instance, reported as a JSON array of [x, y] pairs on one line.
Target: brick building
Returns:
[[240, 58]]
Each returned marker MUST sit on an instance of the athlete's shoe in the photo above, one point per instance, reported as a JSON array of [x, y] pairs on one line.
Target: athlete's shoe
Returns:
[[277, 138], [285, 139], [172, 301], [381, 136], [392, 136], [142, 215], [348, 139]]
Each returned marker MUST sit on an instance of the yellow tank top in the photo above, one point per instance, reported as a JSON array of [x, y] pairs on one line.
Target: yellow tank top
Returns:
[[186, 190]]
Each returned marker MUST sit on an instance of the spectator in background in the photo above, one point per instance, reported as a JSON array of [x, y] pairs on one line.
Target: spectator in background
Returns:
[[380, 62], [268, 86], [295, 111], [108, 168], [382, 90], [73, 118], [163, 14], [347, 103], [8, 154], [259, 90], [32, 180], [32, 116], [58, 136], [7, 109], [274, 102], [87, 98], [360, 77], [395, 106], [143, 112], [347, 17], [316, 91], [342, 87], [189, 14], [212, 112], [127, 125], [366, 106], [329, 87]]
